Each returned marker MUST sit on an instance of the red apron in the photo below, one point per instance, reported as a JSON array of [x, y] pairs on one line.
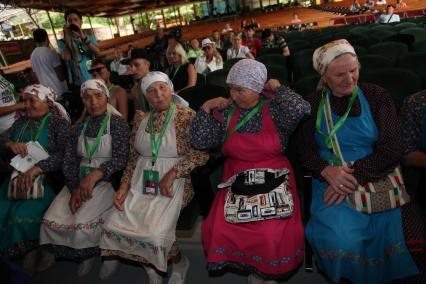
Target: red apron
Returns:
[[273, 247]]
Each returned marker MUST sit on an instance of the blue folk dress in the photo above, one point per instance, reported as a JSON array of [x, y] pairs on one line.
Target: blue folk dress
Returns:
[[20, 219], [348, 244]]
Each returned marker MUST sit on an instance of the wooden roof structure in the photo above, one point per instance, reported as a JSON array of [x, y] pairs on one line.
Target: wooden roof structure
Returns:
[[98, 8]]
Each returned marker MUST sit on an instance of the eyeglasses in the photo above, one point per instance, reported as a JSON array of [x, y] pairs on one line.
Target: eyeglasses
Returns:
[[97, 70]]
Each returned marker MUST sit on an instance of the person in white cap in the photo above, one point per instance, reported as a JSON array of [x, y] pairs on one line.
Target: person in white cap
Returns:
[[44, 122], [97, 148], [155, 186], [211, 61]]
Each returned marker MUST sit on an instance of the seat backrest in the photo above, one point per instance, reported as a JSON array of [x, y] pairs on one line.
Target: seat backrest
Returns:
[[389, 49], [418, 33], [276, 59], [278, 72], [306, 85], [230, 62], [197, 95], [402, 38], [380, 27], [415, 62], [402, 26], [418, 46], [372, 62], [400, 83], [217, 77]]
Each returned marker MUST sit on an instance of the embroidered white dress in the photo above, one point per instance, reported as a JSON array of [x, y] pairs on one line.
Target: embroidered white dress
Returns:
[[147, 225], [80, 230]]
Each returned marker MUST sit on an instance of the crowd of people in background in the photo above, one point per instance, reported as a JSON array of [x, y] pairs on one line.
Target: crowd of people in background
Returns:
[[124, 188]]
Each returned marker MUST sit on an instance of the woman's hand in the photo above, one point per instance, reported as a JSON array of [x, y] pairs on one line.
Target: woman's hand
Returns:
[[340, 178], [25, 180], [88, 183], [332, 197], [75, 201], [17, 148], [120, 196], [166, 183], [273, 84], [216, 103]]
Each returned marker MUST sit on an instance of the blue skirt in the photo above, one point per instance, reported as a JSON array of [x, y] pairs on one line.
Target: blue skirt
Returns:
[[364, 248], [20, 221]]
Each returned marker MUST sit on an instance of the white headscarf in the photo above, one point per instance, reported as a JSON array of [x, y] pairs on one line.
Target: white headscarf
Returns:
[[325, 54], [47, 95], [99, 85], [152, 77]]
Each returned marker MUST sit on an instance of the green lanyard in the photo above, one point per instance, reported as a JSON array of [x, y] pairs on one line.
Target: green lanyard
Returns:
[[156, 142], [40, 128], [141, 97], [339, 123], [90, 151], [174, 73], [244, 120], [110, 88]]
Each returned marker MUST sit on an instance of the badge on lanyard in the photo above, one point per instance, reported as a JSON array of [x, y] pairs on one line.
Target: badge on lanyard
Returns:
[[150, 182]]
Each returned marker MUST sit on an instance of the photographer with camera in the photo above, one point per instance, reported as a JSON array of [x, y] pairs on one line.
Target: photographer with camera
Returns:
[[77, 49]]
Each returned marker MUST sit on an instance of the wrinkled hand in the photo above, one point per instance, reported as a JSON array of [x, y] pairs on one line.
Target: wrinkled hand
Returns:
[[216, 103], [273, 84], [120, 196], [331, 197], [88, 183], [166, 183], [25, 180], [75, 202], [17, 148], [340, 178]]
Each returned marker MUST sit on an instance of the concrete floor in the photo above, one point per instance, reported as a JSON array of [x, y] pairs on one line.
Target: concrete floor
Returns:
[[64, 272]]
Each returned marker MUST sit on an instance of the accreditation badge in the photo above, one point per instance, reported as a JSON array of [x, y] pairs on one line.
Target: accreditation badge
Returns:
[[150, 182], [85, 170]]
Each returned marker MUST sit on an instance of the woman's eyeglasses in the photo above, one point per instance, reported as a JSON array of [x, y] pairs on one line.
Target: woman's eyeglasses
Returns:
[[97, 70]]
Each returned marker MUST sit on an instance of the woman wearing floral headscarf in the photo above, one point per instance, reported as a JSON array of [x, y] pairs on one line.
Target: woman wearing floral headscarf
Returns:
[[97, 148], [45, 122], [260, 127], [348, 244], [155, 186]]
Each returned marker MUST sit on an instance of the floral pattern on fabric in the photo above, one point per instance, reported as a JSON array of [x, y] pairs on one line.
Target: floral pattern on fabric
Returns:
[[286, 108], [193, 158], [174, 252], [73, 227], [412, 114]]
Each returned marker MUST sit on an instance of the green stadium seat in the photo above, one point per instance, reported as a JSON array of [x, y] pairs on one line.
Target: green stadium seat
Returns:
[[298, 45], [230, 62], [418, 33], [401, 26], [400, 83], [217, 78], [306, 85], [276, 59], [415, 62], [389, 49], [197, 95], [380, 27], [278, 72], [372, 62], [419, 46], [201, 80], [275, 50], [379, 36]]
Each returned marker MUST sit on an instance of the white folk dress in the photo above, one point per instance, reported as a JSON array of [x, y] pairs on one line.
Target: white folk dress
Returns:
[[147, 225], [80, 230]]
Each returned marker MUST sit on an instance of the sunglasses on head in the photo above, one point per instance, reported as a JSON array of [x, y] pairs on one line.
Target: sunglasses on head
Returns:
[[97, 70]]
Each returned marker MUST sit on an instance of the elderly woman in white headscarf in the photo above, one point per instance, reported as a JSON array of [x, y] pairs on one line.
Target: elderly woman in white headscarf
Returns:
[[155, 186], [45, 123], [252, 132], [352, 138], [96, 148]]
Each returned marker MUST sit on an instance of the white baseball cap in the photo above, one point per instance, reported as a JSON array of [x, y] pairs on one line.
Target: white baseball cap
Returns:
[[206, 42]]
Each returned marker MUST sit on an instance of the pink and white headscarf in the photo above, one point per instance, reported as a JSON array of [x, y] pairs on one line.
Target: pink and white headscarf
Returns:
[[47, 95], [325, 54]]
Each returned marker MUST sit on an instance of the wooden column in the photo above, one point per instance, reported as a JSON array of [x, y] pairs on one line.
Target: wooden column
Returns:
[[164, 19], [51, 25]]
